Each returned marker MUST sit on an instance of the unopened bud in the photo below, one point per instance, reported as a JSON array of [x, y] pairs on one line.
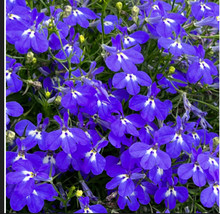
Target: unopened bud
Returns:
[[57, 101], [79, 193], [47, 94], [171, 70], [81, 38], [70, 193], [30, 56], [67, 11], [135, 11], [10, 136], [119, 6], [215, 141], [34, 60]]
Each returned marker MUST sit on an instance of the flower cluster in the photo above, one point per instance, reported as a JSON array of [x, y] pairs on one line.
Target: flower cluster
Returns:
[[121, 98]]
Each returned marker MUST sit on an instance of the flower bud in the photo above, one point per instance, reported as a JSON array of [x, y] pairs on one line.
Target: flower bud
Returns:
[[81, 38], [10, 136], [47, 94], [30, 56], [70, 193], [135, 11], [67, 11], [215, 141], [57, 101], [119, 6], [171, 70], [79, 193], [34, 60]]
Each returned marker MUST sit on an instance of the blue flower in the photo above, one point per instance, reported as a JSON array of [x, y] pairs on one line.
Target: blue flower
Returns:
[[14, 84], [171, 193], [150, 106], [34, 134], [122, 58], [79, 15], [66, 137], [13, 109], [86, 208], [25, 176], [201, 69], [131, 80], [30, 34], [34, 200]]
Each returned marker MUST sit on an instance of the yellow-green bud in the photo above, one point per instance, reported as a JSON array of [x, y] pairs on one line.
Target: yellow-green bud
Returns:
[[34, 60], [79, 193], [171, 70], [70, 193], [135, 11], [10, 136], [47, 94], [119, 6], [67, 11], [215, 141], [57, 101], [30, 56], [81, 38]]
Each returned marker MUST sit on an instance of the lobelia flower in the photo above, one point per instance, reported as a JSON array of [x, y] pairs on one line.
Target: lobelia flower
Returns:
[[48, 159], [201, 69], [169, 22], [210, 195], [171, 193], [25, 176], [21, 153], [30, 34], [122, 58], [86, 208], [110, 21], [141, 194], [66, 137], [209, 160], [193, 169], [202, 9], [176, 46], [13, 109], [16, 17], [34, 134], [150, 155], [79, 15], [129, 40], [71, 48], [157, 174], [212, 20], [14, 84], [34, 200], [10, 4], [124, 174], [93, 160], [150, 106], [126, 124], [175, 139], [77, 95], [131, 81]]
